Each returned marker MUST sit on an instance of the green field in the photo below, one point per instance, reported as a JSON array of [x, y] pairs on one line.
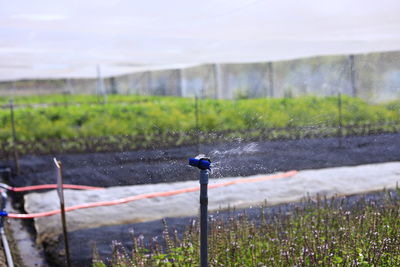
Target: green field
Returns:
[[155, 120], [334, 232]]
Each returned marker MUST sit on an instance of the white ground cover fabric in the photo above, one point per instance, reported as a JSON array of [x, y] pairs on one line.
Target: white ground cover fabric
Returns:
[[329, 182]]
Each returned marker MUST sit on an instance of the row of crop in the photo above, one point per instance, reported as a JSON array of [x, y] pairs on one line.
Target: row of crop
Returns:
[[170, 115], [132, 142], [171, 120]]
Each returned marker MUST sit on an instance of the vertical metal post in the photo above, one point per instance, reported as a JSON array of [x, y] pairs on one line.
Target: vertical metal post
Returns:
[[113, 85], [204, 164], [196, 107], [353, 76], [100, 89], [271, 79], [340, 126], [14, 136], [60, 183], [38, 90], [98, 84], [218, 81], [179, 82], [149, 83], [14, 87], [70, 90], [65, 99], [203, 218]]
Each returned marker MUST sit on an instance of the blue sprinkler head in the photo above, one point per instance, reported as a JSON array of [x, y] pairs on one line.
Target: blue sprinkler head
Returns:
[[201, 163]]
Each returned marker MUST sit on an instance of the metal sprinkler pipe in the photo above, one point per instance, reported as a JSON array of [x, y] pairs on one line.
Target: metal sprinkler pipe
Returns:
[[204, 165]]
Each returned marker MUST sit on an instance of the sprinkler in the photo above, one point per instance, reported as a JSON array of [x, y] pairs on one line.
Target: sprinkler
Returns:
[[201, 163], [204, 165]]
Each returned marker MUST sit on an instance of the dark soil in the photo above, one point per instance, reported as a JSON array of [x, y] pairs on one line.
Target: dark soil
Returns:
[[167, 165], [230, 159]]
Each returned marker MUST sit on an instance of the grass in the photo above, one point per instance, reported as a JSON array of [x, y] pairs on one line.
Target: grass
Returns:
[[334, 232], [170, 120]]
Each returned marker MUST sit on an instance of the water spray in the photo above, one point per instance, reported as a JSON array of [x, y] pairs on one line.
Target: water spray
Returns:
[[204, 164]]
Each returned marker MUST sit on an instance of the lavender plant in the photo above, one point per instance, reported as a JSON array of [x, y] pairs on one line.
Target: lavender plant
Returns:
[[323, 232]]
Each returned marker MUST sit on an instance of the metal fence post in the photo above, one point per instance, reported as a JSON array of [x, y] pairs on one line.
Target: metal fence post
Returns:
[[196, 110], [353, 76], [340, 125], [14, 137], [204, 165], [271, 79]]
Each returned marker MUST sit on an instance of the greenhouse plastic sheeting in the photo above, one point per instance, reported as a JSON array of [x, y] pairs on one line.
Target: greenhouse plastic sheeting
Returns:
[[50, 39]]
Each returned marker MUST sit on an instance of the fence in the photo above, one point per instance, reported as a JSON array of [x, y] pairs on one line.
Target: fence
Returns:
[[374, 77]]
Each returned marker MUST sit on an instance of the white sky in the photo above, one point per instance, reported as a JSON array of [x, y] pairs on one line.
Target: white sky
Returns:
[[68, 38]]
